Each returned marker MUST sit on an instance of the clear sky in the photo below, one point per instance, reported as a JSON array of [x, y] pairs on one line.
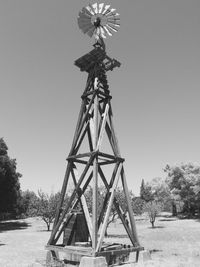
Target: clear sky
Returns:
[[156, 94]]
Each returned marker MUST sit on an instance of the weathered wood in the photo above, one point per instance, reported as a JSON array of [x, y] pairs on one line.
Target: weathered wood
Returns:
[[89, 82], [95, 173], [64, 212], [63, 192], [92, 132], [80, 156], [90, 139], [80, 116], [74, 205], [105, 155], [110, 203], [113, 133], [110, 138], [84, 206], [82, 121], [80, 161], [101, 216], [117, 206], [81, 139], [107, 162], [130, 211], [102, 128], [119, 251]]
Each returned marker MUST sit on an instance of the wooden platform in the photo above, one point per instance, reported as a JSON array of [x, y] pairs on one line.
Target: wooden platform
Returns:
[[114, 253]]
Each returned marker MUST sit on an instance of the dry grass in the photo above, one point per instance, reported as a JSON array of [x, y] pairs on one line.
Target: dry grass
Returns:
[[173, 242]]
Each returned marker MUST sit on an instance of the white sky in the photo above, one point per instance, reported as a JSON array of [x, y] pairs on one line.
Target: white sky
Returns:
[[155, 92]]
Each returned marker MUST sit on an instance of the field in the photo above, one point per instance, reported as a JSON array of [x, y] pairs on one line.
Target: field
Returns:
[[172, 242]]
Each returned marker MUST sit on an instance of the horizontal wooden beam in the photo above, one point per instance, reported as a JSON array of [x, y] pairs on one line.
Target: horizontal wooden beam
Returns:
[[89, 154]]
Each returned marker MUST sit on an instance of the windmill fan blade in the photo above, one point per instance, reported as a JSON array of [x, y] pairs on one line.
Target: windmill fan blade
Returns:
[[114, 23], [110, 12], [101, 7], [111, 28], [105, 9], [95, 7], [92, 9], [85, 11], [107, 31]]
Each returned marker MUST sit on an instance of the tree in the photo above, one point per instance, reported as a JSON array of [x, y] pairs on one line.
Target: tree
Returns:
[[137, 205], [183, 180], [145, 192], [47, 206], [160, 192], [9, 183], [29, 204], [153, 209]]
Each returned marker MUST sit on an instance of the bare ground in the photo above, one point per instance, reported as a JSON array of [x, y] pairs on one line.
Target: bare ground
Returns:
[[173, 242]]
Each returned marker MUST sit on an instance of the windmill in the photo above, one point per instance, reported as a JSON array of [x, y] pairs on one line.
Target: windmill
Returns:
[[94, 159]]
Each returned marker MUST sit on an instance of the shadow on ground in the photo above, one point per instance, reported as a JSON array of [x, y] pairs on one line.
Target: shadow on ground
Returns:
[[168, 220], [154, 250], [117, 236], [9, 226], [43, 230], [156, 227]]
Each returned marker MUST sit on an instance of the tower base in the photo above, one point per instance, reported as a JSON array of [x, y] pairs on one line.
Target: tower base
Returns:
[[93, 262]]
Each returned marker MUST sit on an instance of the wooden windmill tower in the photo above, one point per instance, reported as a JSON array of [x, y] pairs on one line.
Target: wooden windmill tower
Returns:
[[77, 230]]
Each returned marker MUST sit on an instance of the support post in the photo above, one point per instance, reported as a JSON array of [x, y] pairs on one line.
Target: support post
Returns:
[[95, 173]]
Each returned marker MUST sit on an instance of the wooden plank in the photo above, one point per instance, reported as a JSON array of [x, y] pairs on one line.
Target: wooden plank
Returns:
[[89, 81], [75, 205], [101, 216], [120, 251], [80, 156], [95, 173], [81, 139], [130, 211], [63, 192], [105, 155], [117, 206], [92, 131], [64, 212], [90, 139], [80, 116], [114, 137], [81, 123], [85, 251], [102, 131], [84, 205], [107, 162], [80, 161], [110, 203], [110, 138]]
